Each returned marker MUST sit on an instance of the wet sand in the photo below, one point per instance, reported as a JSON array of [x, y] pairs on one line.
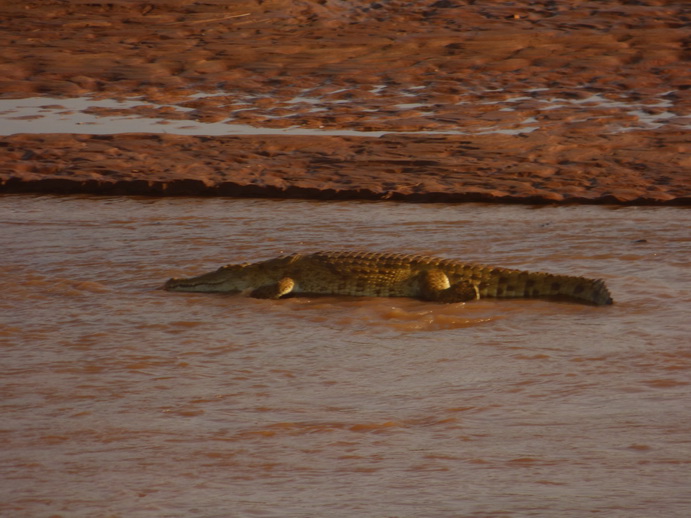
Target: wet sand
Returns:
[[533, 103]]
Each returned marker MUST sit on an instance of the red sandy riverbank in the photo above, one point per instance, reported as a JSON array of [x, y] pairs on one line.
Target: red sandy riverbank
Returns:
[[536, 102]]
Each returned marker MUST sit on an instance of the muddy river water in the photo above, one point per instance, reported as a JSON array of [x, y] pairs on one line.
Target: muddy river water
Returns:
[[120, 399]]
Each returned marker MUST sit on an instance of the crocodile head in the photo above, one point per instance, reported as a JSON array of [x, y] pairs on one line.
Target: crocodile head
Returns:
[[234, 277], [231, 278]]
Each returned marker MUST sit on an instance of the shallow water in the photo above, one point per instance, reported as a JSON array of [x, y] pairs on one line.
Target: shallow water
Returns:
[[119, 399], [107, 116]]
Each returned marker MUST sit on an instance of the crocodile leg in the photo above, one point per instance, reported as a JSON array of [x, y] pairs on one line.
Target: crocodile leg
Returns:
[[435, 286], [461, 292], [274, 291]]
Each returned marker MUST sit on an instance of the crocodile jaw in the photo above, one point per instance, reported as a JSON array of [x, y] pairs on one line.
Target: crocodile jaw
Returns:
[[232, 278], [176, 284]]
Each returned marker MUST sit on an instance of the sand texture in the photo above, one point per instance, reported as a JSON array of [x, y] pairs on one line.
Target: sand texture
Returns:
[[447, 101]]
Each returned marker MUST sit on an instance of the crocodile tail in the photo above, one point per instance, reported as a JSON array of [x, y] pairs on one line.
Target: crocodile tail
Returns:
[[591, 291], [538, 284]]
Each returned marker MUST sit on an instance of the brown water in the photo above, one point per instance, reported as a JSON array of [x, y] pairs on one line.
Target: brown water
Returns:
[[119, 399]]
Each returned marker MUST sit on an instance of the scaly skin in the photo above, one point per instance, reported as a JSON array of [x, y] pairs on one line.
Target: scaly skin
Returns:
[[390, 275]]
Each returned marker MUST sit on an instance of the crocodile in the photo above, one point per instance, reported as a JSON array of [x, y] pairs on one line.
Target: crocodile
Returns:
[[372, 274]]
